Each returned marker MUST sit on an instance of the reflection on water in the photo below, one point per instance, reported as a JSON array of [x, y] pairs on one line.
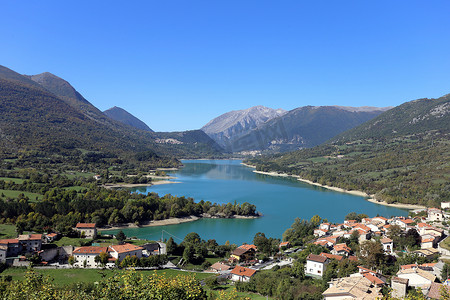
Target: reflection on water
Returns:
[[280, 200]]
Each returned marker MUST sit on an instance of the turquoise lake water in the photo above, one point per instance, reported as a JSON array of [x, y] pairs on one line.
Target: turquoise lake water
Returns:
[[279, 199]]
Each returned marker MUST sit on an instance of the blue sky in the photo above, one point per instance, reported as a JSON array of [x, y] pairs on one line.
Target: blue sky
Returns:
[[178, 64]]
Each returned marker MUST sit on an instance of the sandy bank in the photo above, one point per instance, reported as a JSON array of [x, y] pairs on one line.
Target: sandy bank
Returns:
[[368, 197], [132, 185], [170, 221], [250, 166]]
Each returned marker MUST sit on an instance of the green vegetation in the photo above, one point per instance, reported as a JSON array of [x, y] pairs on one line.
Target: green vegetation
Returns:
[[401, 156], [126, 285], [20, 194], [7, 231], [445, 243]]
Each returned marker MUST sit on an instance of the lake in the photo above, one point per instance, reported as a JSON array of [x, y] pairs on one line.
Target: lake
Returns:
[[279, 199]]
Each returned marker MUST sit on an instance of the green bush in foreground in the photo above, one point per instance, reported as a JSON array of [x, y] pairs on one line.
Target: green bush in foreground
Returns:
[[130, 285]]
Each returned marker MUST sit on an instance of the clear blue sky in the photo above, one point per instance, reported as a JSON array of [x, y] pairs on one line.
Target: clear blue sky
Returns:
[[178, 64]]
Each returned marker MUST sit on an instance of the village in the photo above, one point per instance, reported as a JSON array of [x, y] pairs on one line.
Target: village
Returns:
[[354, 240]]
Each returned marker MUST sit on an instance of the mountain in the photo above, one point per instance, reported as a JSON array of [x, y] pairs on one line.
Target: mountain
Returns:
[[38, 125], [400, 156], [231, 125], [66, 92], [121, 115], [412, 117], [303, 127]]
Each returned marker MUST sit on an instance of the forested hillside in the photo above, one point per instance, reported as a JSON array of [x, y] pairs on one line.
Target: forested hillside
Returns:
[[402, 156], [53, 123]]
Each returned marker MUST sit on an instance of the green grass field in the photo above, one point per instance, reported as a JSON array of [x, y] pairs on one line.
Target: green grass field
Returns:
[[62, 277], [15, 194], [446, 243], [7, 231], [9, 179]]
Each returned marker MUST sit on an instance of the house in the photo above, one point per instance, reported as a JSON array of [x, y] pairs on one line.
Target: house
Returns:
[[382, 220], [403, 222], [445, 205], [151, 249], [88, 229], [428, 253], [30, 242], [242, 254], [316, 265], [435, 214], [353, 287], [374, 277], [328, 241], [3, 252], [399, 287], [85, 256], [50, 237], [332, 256], [388, 245], [341, 249], [219, 267], [285, 245], [320, 232], [325, 226], [427, 241], [417, 277], [13, 247], [119, 252], [242, 274]]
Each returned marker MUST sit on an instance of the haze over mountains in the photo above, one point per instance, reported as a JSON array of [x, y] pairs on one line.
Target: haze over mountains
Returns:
[[261, 128]]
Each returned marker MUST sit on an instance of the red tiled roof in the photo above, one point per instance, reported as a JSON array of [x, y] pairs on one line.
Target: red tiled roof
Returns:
[[241, 271], [247, 247], [30, 237], [342, 247], [90, 250], [316, 258], [352, 258], [9, 241], [85, 225], [321, 242], [386, 240], [51, 234], [373, 279], [332, 256], [125, 248], [284, 244], [410, 266], [220, 266]]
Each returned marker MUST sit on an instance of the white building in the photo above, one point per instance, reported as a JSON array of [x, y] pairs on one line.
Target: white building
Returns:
[[417, 277], [242, 274], [30, 242], [85, 256], [388, 245], [445, 205], [88, 229], [435, 214], [316, 265], [119, 252]]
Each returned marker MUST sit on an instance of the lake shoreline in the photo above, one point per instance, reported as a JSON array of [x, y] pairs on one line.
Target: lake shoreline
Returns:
[[171, 221], [133, 185], [370, 198]]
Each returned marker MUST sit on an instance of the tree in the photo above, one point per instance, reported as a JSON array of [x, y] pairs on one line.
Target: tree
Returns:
[[171, 246], [372, 253], [121, 237], [192, 238], [71, 260], [102, 259]]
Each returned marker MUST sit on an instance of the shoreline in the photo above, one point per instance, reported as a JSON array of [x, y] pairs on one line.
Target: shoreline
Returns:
[[367, 197], [170, 221], [132, 185], [250, 166]]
